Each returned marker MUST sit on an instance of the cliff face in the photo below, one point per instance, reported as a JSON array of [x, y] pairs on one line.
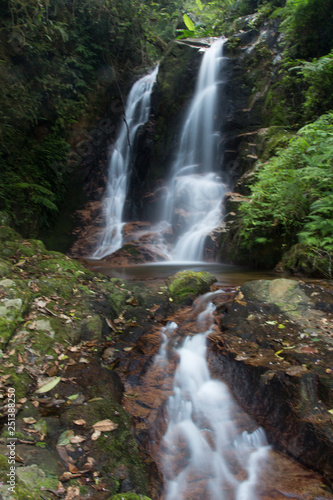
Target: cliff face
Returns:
[[252, 69]]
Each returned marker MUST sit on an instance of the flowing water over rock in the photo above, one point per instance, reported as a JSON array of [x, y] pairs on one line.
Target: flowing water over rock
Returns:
[[203, 453], [192, 208], [136, 114], [195, 190]]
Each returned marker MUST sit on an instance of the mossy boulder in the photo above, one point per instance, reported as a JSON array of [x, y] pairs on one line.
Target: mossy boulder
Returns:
[[31, 482], [121, 465], [14, 300], [185, 286]]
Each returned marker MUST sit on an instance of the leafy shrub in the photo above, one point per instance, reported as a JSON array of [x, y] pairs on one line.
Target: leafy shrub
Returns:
[[293, 199]]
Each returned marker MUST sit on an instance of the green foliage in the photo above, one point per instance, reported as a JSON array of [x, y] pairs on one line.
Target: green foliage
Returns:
[[51, 57], [207, 19], [188, 22], [292, 198], [318, 78], [308, 28]]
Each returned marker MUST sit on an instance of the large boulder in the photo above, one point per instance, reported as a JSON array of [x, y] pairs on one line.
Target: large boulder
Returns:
[[276, 353]]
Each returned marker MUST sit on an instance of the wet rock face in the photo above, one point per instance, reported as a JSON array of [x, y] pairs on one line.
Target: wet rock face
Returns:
[[276, 353]]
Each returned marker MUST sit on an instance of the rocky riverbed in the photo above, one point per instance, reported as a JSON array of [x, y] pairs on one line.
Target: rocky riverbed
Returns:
[[78, 348]]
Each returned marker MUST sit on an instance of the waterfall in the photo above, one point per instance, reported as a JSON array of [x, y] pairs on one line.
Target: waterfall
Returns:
[[195, 189], [203, 453], [136, 114]]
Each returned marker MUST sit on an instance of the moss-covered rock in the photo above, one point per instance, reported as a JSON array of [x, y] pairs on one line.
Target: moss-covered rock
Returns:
[[185, 286], [14, 301], [31, 482], [120, 464]]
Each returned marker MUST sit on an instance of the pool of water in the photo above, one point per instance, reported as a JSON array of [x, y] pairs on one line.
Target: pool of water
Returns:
[[225, 274]]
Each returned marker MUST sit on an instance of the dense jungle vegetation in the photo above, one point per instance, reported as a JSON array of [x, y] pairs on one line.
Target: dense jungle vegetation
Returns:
[[60, 58]]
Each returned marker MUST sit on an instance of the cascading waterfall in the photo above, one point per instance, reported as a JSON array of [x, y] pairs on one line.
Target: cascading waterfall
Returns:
[[136, 114], [195, 190], [202, 447]]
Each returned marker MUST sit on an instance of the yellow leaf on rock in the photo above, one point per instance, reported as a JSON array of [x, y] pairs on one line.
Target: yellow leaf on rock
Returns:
[[49, 385]]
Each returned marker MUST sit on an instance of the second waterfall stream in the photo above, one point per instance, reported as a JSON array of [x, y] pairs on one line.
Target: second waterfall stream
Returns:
[[203, 452], [191, 207], [195, 187]]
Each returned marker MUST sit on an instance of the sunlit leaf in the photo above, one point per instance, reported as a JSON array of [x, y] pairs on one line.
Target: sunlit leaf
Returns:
[[189, 24], [49, 385]]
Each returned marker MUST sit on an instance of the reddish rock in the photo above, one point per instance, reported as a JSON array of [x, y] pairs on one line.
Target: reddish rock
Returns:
[[274, 350]]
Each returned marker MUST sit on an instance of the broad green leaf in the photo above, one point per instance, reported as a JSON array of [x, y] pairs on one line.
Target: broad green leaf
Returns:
[[188, 22], [49, 385], [199, 4]]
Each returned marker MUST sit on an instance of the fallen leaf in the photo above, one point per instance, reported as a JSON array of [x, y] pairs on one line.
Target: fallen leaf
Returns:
[[65, 437], [154, 308], [128, 349], [132, 323], [49, 385], [95, 435], [77, 439], [73, 397], [80, 421], [105, 426], [29, 420], [64, 456], [132, 301], [73, 469], [66, 476], [73, 492], [111, 324]]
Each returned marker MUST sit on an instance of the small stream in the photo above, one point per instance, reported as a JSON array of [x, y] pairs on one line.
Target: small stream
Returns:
[[204, 454]]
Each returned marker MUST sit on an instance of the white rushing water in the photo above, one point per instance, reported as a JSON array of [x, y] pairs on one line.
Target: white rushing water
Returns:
[[202, 445], [195, 190], [136, 114]]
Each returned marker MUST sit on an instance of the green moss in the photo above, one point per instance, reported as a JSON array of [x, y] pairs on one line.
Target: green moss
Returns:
[[114, 449], [4, 268], [132, 250], [187, 285], [92, 328], [31, 482]]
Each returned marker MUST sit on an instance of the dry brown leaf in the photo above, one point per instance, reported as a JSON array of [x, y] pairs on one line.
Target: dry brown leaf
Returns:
[[29, 420], [154, 308], [95, 435], [111, 324], [80, 421], [73, 469], [77, 439], [64, 455], [105, 426], [73, 493]]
